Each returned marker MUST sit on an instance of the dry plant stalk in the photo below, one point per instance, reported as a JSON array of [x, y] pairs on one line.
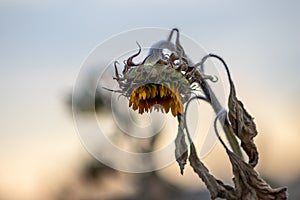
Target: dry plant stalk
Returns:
[[168, 81]]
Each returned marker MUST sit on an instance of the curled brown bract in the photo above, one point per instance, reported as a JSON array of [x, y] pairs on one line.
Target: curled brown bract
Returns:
[[129, 60]]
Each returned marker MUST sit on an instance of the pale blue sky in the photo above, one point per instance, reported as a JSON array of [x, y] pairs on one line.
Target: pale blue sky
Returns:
[[52, 34]]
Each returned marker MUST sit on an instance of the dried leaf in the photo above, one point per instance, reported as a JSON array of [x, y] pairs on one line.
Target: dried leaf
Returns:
[[241, 121], [216, 187], [243, 126], [181, 151], [249, 185]]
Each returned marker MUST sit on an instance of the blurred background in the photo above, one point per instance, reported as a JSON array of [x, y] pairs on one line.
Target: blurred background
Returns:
[[42, 46]]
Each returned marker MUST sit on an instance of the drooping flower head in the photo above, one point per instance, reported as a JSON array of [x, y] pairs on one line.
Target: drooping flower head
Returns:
[[160, 85], [162, 81]]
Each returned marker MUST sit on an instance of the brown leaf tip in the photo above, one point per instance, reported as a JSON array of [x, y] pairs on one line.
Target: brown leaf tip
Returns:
[[181, 165]]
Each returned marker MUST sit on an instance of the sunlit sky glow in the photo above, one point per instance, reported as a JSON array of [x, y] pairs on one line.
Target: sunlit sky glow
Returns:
[[43, 43]]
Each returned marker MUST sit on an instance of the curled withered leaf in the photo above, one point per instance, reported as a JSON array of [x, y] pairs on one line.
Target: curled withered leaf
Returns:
[[181, 150], [241, 121], [244, 127], [248, 183], [216, 187]]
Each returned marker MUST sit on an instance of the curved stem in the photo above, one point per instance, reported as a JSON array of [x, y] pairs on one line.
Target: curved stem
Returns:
[[216, 129], [201, 64], [184, 116], [218, 107], [172, 32]]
